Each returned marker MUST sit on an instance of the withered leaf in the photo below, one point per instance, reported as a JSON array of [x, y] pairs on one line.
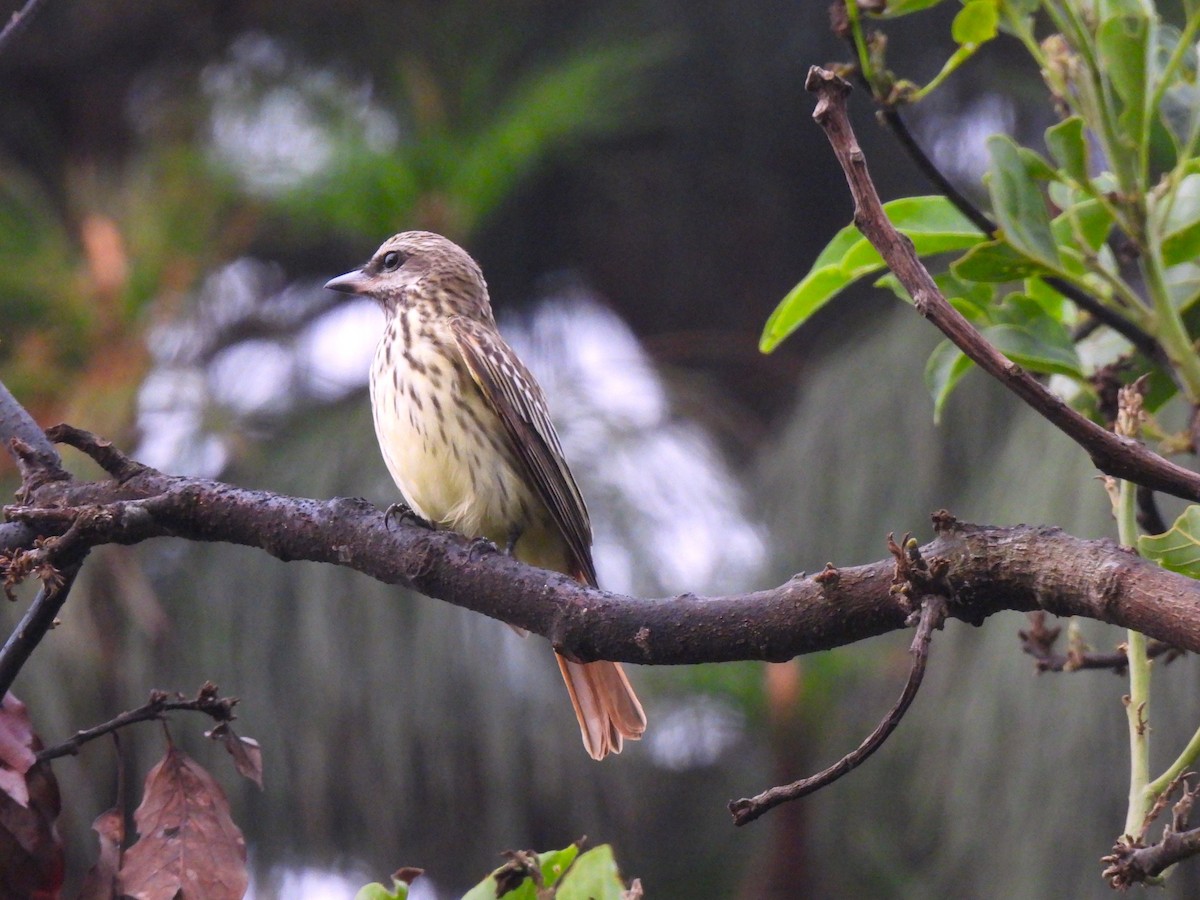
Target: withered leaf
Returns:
[[189, 847], [101, 880], [16, 748], [31, 854], [246, 753]]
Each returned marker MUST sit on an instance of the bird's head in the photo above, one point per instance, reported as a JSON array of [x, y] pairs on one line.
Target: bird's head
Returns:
[[419, 268]]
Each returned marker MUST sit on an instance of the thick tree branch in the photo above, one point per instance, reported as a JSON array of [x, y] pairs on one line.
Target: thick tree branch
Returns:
[[991, 569], [39, 463], [1116, 456]]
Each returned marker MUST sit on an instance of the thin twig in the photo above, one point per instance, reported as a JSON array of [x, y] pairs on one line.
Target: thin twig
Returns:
[[899, 129], [206, 701], [1113, 455], [1139, 338], [1038, 641], [17, 23], [895, 123], [38, 619], [39, 463], [933, 612], [1149, 517]]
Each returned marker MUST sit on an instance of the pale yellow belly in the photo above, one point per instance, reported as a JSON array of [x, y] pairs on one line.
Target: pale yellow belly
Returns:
[[452, 465]]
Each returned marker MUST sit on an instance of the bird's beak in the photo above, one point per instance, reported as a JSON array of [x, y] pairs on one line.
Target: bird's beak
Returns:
[[354, 282]]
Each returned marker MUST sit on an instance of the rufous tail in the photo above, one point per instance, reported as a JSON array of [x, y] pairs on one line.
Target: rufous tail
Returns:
[[605, 704]]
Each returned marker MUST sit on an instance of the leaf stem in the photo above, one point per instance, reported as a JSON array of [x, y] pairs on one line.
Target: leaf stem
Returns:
[[1171, 332], [1137, 704], [860, 44]]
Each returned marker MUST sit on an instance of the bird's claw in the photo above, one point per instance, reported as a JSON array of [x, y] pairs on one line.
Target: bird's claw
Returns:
[[401, 513], [480, 546]]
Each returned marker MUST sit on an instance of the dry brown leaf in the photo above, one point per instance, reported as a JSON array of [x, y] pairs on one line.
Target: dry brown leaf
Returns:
[[101, 880], [16, 748], [31, 854], [246, 753], [189, 846]]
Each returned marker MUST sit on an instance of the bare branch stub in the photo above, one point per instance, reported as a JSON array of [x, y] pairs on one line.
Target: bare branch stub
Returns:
[[1133, 862], [103, 452], [1113, 455], [1039, 642]]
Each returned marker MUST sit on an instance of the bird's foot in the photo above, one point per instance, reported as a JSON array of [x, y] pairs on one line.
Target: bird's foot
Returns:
[[479, 547], [402, 513]]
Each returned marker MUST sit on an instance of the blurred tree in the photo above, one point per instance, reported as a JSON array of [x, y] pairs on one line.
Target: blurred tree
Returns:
[[156, 153]]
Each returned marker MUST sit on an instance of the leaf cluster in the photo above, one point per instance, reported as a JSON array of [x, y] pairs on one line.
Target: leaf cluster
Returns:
[[1110, 212]]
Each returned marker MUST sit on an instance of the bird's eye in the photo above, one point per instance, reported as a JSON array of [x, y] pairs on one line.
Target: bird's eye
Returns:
[[391, 261]]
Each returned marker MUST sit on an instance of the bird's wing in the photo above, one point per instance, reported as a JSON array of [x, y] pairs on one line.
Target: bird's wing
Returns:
[[519, 403]]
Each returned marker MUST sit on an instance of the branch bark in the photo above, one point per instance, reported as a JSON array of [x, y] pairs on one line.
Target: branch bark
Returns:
[[990, 569], [1129, 865]]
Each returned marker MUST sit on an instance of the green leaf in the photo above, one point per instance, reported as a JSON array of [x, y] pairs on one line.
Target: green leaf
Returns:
[[486, 890], [1036, 165], [943, 371], [1122, 42], [837, 249], [933, 224], [1018, 203], [1050, 300], [1180, 108], [804, 300], [1068, 145], [975, 23], [1028, 348], [931, 218], [376, 891], [552, 864], [1177, 549], [592, 92], [555, 862], [593, 877], [897, 8], [1183, 284], [890, 282], [1089, 221], [1181, 230], [994, 261], [979, 294]]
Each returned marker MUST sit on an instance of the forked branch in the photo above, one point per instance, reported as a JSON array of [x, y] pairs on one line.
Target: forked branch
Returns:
[[913, 577], [1111, 454]]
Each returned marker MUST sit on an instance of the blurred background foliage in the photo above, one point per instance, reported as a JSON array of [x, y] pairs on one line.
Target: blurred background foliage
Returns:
[[641, 184]]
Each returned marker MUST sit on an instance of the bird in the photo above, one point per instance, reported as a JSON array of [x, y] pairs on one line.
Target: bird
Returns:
[[465, 433]]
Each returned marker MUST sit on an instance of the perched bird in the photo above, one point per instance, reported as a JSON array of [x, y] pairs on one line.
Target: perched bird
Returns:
[[466, 434]]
